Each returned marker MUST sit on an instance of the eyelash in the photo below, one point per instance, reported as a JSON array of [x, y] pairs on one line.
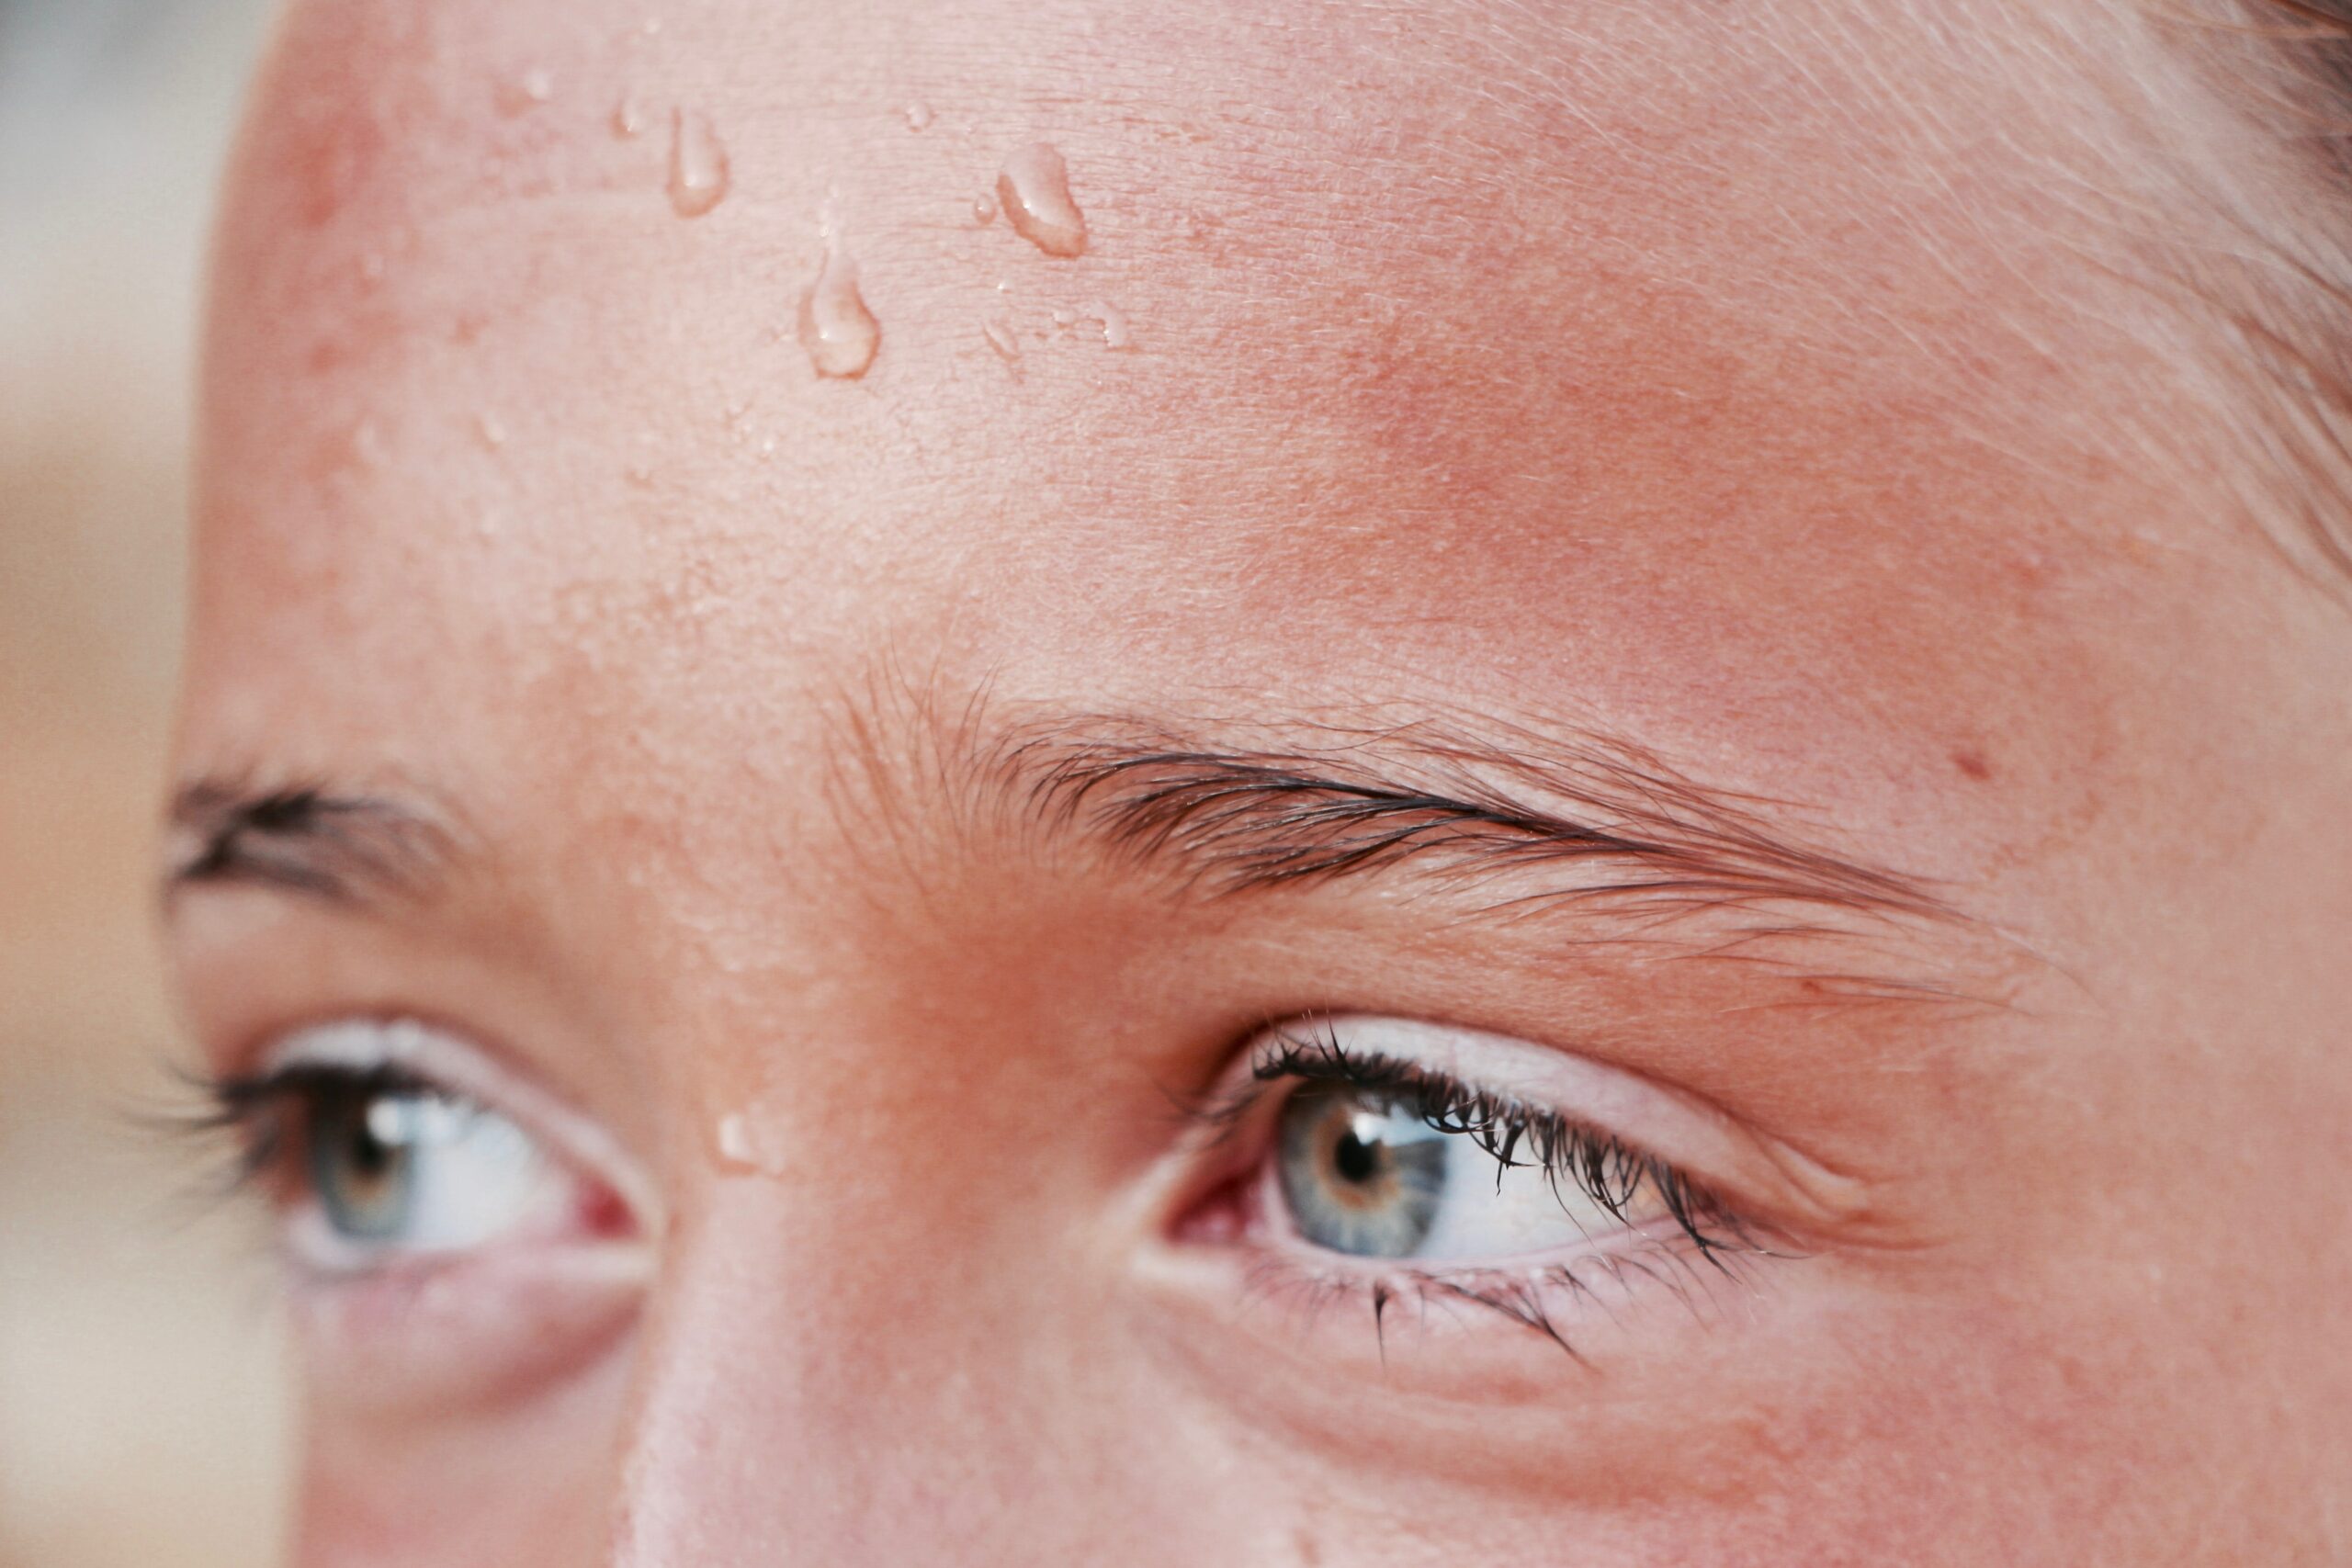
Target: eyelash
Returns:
[[266, 1114], [1596, 1164], [262, 1114]]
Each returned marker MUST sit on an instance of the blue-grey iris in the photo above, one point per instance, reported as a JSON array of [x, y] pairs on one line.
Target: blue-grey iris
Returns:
[[1360, 1175]]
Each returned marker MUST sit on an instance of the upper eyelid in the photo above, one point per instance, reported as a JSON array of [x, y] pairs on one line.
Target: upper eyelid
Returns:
[[1762, 1177], [437, 1058]]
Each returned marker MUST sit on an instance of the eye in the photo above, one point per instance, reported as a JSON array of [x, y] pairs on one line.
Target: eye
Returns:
[[396, 1166], [456, 1238], [1420, 1169], [1362, 1174], [1378, 1155], [380, 1142]]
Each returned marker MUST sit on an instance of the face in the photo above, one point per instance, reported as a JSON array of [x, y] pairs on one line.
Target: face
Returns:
[[1256, 785]]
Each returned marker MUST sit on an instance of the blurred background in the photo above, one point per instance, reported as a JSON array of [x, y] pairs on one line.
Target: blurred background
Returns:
[[141, 1402]]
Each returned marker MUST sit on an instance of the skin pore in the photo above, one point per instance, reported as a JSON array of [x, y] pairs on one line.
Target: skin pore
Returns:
[[1686, 539]]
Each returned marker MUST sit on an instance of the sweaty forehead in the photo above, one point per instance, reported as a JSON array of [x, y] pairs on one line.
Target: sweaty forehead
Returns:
[[1719, 371]]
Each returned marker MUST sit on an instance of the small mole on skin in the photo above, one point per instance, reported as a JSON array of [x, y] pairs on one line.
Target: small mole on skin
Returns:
[[1972, 763]]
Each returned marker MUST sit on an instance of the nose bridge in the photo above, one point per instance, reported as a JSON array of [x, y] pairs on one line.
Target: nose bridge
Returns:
[[745, 1442], [810, 1396]]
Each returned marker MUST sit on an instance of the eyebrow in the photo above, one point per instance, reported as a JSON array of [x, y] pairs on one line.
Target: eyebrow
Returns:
[[1458, 804], [309, 840]]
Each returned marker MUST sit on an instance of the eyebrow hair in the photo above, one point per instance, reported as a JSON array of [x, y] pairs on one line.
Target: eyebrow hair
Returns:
[[1467, 806], [305, 839], [1463, 803]]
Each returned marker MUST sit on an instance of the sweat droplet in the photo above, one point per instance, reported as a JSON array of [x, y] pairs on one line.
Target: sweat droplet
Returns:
[[836, 329], [629, 119], [743, 1151], [751, 1144], [366, 445], [526, 92], [1001, 338], [1034, 191], [983, 210], [1115, 325], [697, 164], [919, 116], [734, 1139]]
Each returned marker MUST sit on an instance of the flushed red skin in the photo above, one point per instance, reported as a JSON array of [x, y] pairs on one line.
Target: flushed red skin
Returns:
[[1733, 380]]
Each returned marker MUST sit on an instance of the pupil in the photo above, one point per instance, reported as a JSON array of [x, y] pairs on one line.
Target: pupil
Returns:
[[370, 1155], [361, 1168], [1360, 1175]]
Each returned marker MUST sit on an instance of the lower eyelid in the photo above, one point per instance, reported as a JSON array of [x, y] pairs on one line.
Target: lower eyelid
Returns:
[[468, 1331], [1587, 1308]]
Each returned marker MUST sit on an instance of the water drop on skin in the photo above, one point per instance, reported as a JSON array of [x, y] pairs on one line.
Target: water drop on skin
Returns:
[[493, 435], [697, 164], [1113, 320], [526, 92], [1001, 338], [1034, 191], [747, 1144], [919, 116], [735, 1152], [629, 119], [836, 329], [983, 210], [367, 446]]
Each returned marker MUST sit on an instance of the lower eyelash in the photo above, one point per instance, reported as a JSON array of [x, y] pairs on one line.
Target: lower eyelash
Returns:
[[1706, 1255], [1524, 1296]]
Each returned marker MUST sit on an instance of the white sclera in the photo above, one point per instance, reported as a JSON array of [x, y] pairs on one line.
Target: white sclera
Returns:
[[474, 1175]]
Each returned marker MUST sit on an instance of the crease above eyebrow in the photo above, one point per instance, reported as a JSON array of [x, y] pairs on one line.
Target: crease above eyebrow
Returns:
[[306, 840]]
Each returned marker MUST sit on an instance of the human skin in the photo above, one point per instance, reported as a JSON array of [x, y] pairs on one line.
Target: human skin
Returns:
[[1753, 387]]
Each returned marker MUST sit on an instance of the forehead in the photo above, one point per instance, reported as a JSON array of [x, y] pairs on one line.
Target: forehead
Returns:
[[1702, 371]]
